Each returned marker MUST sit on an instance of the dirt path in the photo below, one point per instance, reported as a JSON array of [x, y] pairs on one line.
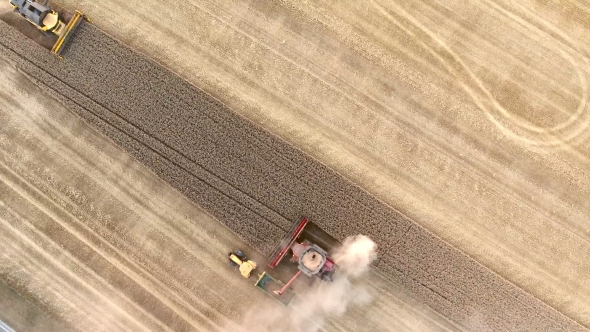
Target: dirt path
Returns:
[[469, 117], [93, 237]]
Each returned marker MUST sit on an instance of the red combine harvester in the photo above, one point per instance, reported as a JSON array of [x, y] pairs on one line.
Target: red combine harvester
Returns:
[[311, 259]]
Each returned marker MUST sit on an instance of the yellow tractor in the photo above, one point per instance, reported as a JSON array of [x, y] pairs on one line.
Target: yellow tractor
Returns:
[[239, 260]]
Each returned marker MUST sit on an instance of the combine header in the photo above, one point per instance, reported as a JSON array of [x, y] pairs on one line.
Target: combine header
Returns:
[[49, 21], [311, 259]]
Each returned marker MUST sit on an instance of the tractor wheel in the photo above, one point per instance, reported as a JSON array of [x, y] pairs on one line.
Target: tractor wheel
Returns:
[[240, 255]]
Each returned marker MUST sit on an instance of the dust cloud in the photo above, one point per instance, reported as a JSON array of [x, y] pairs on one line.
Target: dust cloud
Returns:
[[324, 300]]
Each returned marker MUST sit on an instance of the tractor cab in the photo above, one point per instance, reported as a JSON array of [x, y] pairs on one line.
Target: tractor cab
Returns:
[[39, 14], [238, 259]]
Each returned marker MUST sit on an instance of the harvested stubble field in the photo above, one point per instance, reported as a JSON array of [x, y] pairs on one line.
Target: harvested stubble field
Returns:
[[257, 184]]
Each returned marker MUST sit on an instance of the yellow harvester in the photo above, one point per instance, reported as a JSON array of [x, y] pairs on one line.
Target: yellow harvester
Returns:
[[48, 21]]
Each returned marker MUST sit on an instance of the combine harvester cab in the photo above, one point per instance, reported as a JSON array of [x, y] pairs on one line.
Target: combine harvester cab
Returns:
[[49, 21]]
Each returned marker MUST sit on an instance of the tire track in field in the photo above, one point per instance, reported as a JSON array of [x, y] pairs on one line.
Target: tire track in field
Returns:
[[548, 137]]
